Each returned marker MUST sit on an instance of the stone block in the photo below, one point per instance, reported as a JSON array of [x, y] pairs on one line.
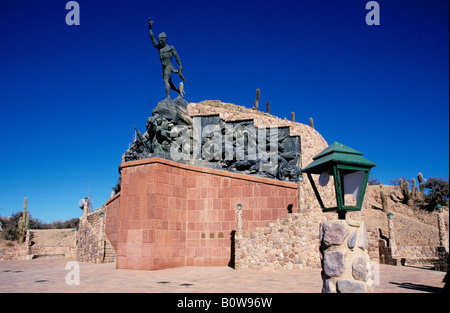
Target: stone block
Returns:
[[362, 240], [335, 233], [347, 286], [361, 269], [352, 240], [334, 262]]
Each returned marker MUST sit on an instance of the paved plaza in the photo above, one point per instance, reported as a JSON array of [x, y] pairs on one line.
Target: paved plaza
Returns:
[[51, 275]]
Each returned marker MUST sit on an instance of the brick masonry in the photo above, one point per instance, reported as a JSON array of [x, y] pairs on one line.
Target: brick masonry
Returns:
[[170, 214]]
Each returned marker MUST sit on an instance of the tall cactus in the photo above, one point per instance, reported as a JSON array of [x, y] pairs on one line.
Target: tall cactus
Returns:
[[416, 191], [23, 222], [293, 116], [420, 180], [413, 188], [268, 108], [400, 183], [311, 122], [257, 99], [406, 193]]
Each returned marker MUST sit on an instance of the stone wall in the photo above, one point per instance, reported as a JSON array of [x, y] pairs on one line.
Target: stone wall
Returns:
[[92, 244], [171, 214], [52, 242], [373, 239], [282, 245], [414, 255], [42, 243], [385, 254], [417, 252], [87, 244], [291, 243], [442, 263], [14, 251]]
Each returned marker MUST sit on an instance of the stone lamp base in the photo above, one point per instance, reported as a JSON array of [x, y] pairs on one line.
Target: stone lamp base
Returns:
[[345, 261]]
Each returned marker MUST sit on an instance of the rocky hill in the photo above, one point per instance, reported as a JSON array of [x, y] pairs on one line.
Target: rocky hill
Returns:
[[413, 226]]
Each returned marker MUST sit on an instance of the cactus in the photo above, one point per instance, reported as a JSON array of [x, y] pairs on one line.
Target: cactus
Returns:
[[400, 183], [268, 107], [311, 123], [181, 89], [383, 199], [420, 180], [406, 193], [420, 177], [257, 99], [416, 191], [24, 221], [292, 116], [413, 188]]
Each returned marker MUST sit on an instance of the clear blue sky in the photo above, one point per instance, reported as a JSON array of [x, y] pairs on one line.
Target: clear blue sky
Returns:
[[70, 95]]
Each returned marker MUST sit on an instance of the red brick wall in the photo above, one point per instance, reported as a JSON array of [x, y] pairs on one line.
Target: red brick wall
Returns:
[[112, 219], [170, 214]]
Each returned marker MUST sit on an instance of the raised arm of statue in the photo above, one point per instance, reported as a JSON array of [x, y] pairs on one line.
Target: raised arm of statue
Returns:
[[152, 36]]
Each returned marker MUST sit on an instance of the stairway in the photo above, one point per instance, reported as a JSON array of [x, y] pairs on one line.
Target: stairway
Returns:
[[109, 253]]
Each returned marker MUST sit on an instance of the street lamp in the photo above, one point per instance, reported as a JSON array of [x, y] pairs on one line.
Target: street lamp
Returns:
[[390, 215], [439, 207], [239, 206], [351, 174]]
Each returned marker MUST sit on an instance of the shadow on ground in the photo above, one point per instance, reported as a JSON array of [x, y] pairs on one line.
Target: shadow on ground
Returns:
[[418, 287]]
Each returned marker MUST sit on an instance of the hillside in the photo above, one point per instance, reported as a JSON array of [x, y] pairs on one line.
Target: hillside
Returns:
[[413, 226]]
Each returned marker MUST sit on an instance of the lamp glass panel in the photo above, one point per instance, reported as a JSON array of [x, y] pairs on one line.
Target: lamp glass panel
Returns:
[[352, 187]]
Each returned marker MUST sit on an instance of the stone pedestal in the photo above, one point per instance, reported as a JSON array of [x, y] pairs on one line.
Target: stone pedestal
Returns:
[[175, 111], [169, 214], [345, 259], [239, 223], [443, 239], [392, 243]]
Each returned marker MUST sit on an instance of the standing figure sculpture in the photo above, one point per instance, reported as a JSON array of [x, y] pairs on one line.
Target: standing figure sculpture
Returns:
[[165, 55]]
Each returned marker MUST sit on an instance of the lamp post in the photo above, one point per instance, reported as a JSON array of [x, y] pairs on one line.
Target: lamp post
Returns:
[[392, 243], [343, 244], [85, 206], [239, 220], [351, 174]]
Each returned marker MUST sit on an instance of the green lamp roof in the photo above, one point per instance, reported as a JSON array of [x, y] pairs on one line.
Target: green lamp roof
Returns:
[[337, 153]]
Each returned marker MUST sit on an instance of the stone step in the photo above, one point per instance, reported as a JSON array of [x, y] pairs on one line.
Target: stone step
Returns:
[[110, 253]]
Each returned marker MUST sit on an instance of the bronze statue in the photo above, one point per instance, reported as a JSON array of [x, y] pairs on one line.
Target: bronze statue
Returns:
[[165, 55]]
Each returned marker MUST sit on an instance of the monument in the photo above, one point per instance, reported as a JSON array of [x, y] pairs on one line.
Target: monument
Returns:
[[181, 179], [209, 141]]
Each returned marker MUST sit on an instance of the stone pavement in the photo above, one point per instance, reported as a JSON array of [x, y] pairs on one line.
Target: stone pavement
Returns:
[[49, 275]]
